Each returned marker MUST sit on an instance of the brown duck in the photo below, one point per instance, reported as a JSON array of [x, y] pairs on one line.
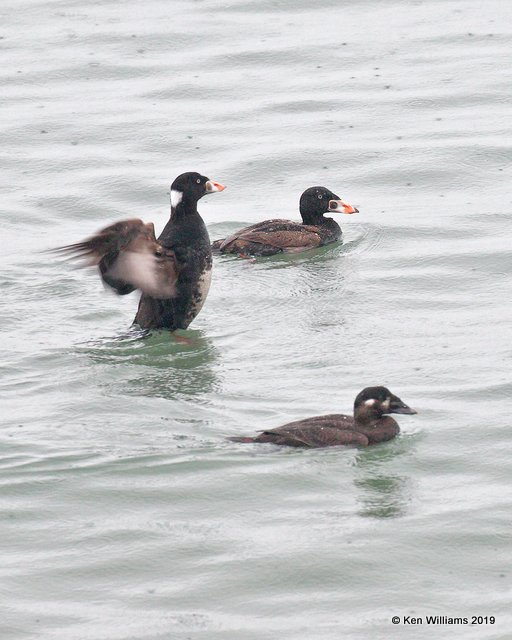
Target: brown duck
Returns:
[[369, 425], [284, 236]]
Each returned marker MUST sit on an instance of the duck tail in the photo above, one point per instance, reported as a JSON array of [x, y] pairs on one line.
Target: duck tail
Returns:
[[240, 439], [216, 245]]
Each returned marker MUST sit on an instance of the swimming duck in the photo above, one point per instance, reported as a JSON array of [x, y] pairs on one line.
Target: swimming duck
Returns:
[[284, 236], [369, 425], [173, 272]]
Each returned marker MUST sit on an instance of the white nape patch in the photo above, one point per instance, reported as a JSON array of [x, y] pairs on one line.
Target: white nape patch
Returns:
[[176, 198], [370, 402]]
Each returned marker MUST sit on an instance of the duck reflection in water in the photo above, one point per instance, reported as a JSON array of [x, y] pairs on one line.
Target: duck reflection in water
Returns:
[[382, 493], [156, 366]]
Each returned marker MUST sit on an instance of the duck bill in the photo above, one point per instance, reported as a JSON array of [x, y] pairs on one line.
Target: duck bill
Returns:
[[213, 187], [397, 406], [341, 207]]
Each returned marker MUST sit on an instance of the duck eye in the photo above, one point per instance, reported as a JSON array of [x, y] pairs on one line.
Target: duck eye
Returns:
[[198, 181], [320, 196]]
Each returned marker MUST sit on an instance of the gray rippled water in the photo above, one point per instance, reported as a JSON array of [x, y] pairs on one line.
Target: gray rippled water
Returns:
[[125, 512]]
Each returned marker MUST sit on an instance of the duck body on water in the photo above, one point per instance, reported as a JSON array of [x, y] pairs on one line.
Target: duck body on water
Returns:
[[270, 237], [173, 272], [369, 425], [185, 234]]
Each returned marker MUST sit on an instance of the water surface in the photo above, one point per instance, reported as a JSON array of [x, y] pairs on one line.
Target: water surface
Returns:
[[125, 512]]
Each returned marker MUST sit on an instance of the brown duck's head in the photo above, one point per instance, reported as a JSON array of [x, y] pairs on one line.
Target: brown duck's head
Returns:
[[375, 402], [316, 201], [190, 187]]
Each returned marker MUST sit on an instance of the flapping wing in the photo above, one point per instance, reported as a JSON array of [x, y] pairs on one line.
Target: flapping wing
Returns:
[[129, 257]]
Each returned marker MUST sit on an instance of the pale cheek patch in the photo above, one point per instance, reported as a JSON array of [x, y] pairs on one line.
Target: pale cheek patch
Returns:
[[385, 405], [176, 198], [370, 403]]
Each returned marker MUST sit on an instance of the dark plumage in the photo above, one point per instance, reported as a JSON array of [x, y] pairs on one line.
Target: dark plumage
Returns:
[[369, 424], [172, 272], [284, 236]]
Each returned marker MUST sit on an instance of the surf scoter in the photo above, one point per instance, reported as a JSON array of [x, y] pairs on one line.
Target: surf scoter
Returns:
[[369, 425], [284, 236], [173, 272]]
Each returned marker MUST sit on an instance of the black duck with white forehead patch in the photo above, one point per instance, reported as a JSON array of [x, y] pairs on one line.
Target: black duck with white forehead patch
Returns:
[[369, 424], [285, 236], [173, 272], [186, 235]]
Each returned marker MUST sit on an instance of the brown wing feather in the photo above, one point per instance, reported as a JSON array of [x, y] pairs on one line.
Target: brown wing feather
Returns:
[[284, 239], [318, 431], [258, 226], [108, 241], [278, 233], [336, 420], [313, 436], [129, 257]]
